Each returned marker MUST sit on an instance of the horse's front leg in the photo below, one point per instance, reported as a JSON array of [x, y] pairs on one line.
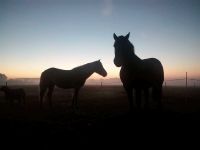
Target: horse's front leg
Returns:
[[157, 95], [49, 94], [129, 92], [146, 97], [42, 92], [75, 97], [138, 97]]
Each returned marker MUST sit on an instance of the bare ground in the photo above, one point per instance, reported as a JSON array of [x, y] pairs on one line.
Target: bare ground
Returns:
[[102, 119]]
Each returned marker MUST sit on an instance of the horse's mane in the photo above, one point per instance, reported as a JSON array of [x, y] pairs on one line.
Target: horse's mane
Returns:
[[131, 47], [129, 50], [82, 67]]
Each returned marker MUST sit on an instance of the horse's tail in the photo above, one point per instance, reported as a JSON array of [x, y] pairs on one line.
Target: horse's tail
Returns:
[[159, 70], [42, 86], [44, 83], [42, 78]]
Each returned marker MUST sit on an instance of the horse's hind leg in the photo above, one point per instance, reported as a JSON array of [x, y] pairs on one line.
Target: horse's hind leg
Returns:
[[138, 97], [49, 94], [157, 95], [75, 97], [160, 97], [129, 92], [42, 92], [146, 97]]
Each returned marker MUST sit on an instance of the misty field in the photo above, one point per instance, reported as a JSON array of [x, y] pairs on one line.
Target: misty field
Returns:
[[102, 117]]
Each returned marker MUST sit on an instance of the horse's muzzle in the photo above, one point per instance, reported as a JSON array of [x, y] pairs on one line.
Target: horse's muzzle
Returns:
[[117, 63], [105, 74]]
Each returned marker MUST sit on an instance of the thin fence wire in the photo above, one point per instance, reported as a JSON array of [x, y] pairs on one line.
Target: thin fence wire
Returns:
[[170, 82], [192, 81]]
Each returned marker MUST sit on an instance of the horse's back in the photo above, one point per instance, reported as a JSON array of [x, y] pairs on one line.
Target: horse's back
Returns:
[[58, 77], [151, 73], [154, 68], [54, 73], [147, 73], [46, 74]]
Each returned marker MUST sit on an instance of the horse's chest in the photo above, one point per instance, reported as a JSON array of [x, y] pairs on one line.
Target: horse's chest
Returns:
[[133, 76], [134, 73]]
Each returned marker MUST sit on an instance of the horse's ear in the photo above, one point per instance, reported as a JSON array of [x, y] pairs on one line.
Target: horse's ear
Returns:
[[127, 36], [115, 37]]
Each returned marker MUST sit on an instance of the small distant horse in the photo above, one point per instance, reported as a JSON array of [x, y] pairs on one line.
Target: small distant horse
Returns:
[[66, 79], [136, 73], [14, 94]]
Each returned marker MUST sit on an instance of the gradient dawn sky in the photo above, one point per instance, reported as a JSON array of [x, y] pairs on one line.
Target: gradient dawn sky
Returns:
[[38, 34]]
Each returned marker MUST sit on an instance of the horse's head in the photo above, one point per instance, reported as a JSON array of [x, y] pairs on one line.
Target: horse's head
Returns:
[[100, 69], [123, 49]]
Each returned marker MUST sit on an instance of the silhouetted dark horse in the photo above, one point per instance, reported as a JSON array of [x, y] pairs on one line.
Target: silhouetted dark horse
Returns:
[[136, 73], [66, 79]]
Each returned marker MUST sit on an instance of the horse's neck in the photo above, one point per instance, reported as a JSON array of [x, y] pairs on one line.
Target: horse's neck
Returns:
[[133, 60], [85, 71]]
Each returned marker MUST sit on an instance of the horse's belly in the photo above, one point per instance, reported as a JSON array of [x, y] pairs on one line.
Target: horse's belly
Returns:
[[68, 84], [136, 81]]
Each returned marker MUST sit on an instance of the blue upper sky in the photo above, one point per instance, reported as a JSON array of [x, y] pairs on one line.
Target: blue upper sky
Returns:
[[38, 34]]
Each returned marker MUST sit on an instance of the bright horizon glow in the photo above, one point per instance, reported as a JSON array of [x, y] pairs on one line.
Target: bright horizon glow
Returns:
[[36, 35]]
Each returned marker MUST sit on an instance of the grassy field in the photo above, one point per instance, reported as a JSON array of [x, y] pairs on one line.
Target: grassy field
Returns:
[[103, 118]]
